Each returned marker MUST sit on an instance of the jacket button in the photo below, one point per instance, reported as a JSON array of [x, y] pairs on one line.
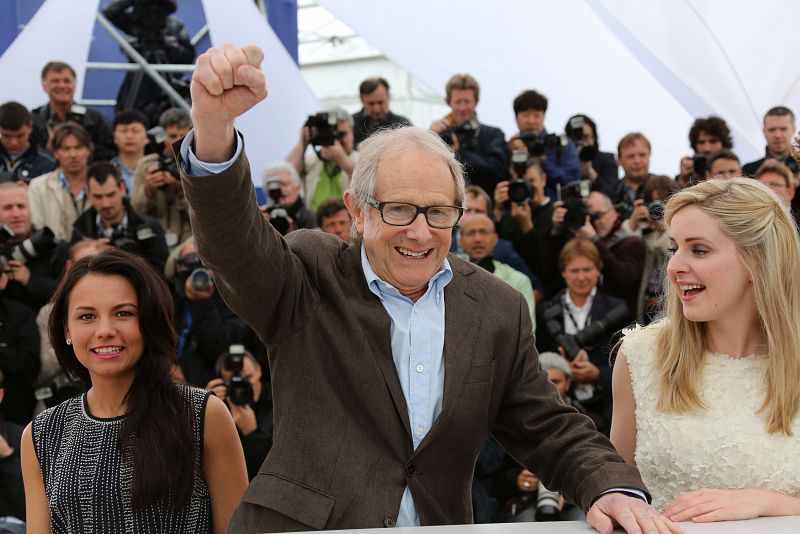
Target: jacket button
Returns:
[[388, 521], [411, 470]]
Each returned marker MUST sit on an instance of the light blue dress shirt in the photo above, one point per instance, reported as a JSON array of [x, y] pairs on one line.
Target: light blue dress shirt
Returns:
[[418, 353]]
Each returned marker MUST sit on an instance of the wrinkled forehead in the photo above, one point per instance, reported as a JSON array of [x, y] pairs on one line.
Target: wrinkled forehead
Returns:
[[414, 169]]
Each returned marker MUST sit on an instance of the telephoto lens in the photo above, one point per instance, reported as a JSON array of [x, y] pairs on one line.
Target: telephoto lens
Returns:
[[547, 504]]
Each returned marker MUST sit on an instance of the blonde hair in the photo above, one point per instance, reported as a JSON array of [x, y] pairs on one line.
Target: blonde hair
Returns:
[[766, 239]]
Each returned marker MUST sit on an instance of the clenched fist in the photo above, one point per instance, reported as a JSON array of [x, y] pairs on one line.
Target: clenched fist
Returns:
[[227, 82]]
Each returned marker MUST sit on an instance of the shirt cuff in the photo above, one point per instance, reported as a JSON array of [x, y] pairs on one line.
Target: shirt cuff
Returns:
[[633, 492], [194, 167]]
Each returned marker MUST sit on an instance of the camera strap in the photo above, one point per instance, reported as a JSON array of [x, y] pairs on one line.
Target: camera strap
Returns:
[[571, 317]]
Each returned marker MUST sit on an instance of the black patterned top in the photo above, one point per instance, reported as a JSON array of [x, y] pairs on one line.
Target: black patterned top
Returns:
[[88, 480]]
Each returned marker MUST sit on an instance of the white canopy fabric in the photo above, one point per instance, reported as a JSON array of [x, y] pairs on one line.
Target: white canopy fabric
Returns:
[[61, 30], [632, 66]]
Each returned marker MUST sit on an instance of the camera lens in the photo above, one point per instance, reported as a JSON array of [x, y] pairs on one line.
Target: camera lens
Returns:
[[200, 279]]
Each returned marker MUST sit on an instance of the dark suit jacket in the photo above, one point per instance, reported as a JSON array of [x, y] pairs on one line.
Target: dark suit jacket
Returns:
[[342, 452]]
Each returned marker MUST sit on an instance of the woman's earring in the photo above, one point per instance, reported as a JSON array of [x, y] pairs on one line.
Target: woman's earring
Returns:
[[69, 341]]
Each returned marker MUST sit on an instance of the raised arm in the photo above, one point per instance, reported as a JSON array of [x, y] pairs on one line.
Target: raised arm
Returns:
[[227, 82]]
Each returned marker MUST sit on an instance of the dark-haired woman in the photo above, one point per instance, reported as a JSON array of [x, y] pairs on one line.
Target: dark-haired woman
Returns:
[[131, 454]]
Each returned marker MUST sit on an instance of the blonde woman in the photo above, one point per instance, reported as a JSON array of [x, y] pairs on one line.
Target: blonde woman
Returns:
[[706, 400]]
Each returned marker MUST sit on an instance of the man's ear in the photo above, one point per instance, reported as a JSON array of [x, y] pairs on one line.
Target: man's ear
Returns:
[[355, 213]]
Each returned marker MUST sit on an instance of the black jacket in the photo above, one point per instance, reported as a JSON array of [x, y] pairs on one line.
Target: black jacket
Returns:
[[363, 126], [153, 247], [45, 272], [19, 360], [257, 444], [93, 121], [485, 157], [605, 165], [32, 163]]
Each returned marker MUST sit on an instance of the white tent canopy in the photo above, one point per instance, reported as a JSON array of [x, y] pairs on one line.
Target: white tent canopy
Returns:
[[632, 66]]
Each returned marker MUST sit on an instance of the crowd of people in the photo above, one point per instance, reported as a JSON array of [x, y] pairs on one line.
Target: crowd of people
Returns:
[[124, 273]]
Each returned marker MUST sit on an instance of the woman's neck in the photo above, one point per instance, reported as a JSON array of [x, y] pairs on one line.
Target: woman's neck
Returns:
[[735, 337], [106, 398]]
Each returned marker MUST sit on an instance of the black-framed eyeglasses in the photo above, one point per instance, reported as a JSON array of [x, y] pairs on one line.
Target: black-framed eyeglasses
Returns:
[[403, 214]]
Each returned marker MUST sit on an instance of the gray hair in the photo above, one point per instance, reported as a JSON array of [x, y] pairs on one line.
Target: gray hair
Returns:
[[553, 360], [283, 166], [393, 141], [341, 115], [175, 117]]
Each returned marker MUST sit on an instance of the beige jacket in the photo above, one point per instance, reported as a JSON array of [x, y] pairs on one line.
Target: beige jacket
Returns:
[[53, 206], [169, 209]]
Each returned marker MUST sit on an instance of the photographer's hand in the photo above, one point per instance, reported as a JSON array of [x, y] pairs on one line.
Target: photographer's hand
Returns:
[[584, 370], [194, 295], [217, 387], [244, 418], [521, 213], [638, 214], [19, 272], [335, 153], [227, 82], [586, 231], [153, 180], [587, 171], [440, 125], [527, 481], [500, 198], [559, 212]]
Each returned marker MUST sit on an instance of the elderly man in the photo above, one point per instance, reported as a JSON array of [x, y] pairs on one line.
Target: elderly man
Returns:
[[392, 361], [283, 176], [32, 276]]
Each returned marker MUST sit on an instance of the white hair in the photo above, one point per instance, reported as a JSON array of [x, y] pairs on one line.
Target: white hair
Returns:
[[282, 166]]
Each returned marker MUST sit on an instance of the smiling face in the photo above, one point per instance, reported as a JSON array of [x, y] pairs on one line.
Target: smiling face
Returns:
[[407, 257], [706, 269], [59, 86], [15, 210], [103, 324], [581, 275]]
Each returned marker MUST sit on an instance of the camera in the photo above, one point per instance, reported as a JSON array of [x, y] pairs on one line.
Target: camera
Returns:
[[158, 144], [239, 390], [539, 147], [519, 190], [191, 267], [574, 131], [573, 195], [323, 129], [591, 334], [548, 504], [60, 389], [136, 242], [38, 244], [464, 132], [700, 163], [655, 210]]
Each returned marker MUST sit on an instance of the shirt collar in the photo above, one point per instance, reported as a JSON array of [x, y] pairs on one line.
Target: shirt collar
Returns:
[[62, 179], [381, 288], [571, 305]]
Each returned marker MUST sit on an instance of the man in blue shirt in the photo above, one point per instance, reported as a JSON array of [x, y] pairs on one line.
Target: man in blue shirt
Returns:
[[558, 155], [392, 360]]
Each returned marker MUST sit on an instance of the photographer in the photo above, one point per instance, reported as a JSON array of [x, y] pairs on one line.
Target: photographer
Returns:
[[524, 216], [19, 357], [375, 113], [20, 159], [157, 188], [130, 137], [112, 219], [480, 147], [245, 390], [160, 37], [31, 259], [580, 322], [206, 326], [558, 156], [599, 167], [285, 208], [326, 170], [706, 136], [646, 221], [634, 158], [621, 251]]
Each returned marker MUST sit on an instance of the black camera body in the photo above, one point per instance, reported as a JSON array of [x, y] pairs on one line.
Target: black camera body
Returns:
[[573, 195], [191, 267], [41, 242], [465, 132], [590, 335], [538, 147], [574, 131], [239, 390], [138, 241], [323, 129]]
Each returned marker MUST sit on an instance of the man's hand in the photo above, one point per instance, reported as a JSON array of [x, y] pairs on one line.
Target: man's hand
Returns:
[[633, 515], [334, 153], [440, 125], [18, 271], [586, 231], [244, 418], [227, 82], [583, 370], [639, 213], [559, 212], [707, 505], [527, 481], [154, 180], [194, 295], [217, 387]]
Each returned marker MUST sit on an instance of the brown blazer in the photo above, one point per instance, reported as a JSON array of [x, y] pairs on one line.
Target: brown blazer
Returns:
[[342, 452]]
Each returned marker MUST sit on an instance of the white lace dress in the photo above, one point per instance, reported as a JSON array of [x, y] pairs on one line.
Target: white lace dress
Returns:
[[726, 446]]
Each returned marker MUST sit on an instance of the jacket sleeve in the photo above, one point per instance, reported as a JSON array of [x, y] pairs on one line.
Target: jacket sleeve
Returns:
[[564, 167], [487, 158]]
